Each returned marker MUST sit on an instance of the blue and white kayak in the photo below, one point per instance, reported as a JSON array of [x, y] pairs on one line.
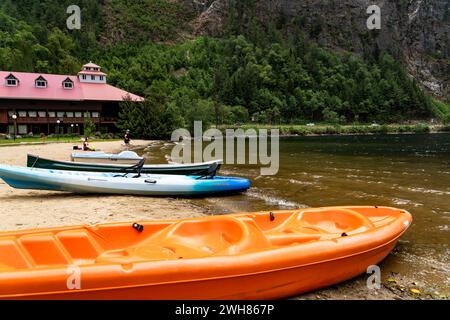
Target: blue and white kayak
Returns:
[[113, 183]]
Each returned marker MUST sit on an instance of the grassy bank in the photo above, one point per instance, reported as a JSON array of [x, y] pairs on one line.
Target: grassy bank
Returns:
[[72, 139], [324, 129]]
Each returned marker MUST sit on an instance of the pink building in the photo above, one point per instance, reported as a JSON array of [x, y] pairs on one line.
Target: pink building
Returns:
[[47, 103]]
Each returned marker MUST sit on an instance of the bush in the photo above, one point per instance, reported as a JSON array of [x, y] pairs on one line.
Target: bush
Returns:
[[89, 126], [106, 136], [330, 116], [446, 119], [421, 128], [384, 129]]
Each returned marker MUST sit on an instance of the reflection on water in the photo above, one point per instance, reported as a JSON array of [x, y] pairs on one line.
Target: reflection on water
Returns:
[[405, 171]]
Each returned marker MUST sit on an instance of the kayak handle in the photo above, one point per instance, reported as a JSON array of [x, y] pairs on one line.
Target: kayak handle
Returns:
[[138, 227], [150, 181]]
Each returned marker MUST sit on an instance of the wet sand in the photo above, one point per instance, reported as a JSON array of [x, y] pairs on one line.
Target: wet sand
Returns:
[[28, 209]]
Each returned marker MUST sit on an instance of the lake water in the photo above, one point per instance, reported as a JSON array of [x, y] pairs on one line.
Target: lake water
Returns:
[[406, 171]]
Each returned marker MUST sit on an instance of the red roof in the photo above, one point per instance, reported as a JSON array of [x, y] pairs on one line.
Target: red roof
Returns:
[[91, 65], [55, 91], [99, 73]]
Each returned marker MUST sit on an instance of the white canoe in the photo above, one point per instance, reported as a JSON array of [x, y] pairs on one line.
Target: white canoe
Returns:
[[125, 157]]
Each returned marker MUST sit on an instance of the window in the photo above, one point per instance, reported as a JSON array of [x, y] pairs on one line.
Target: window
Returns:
[[84, 77], [22, 114], [95, 114], [78, 114], [68, 84], [11, 81], [22, 129], [41, 82], [11, 113], [69, 114], [32, 114], [51, 114], [102, 78], [92, 77], [42, 114], [60, 114], [87, 114]]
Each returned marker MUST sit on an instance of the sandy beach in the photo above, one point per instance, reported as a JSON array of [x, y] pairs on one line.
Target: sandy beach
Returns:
[[28, 209]]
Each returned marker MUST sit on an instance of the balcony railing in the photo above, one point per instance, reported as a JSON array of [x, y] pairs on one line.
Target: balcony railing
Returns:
[[45, 120]]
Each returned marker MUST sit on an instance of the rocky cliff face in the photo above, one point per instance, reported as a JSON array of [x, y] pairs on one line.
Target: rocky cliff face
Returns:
[[418, 30]]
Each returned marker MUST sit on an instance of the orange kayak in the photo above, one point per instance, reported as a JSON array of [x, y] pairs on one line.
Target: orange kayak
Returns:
[[240, 256]]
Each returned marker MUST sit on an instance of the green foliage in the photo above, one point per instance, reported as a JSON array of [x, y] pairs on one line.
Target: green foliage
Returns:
[[442, 111], [277, 83], [89, 126], [21, 49], [330, 116], [325, 129], [151, 119], [146, 20], [255, 72]]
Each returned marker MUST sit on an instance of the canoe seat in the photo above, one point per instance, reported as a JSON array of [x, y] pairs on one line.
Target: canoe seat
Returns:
[[306, 226], [336, 221], [79, 244], [11, 256], [44, 249], [193, 239]]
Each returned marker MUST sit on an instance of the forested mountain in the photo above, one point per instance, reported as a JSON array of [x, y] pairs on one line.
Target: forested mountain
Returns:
[[417, 32], [216, 61]]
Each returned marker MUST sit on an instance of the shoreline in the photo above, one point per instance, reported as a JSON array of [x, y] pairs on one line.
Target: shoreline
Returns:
[[286, 131], [344, 130]]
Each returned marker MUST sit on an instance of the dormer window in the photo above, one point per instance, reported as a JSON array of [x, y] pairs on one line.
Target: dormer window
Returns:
[[40, 82], [11, 81], [67, 84]]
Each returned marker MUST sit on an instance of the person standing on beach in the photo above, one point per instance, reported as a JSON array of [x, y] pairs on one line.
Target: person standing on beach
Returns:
[[126, 138]]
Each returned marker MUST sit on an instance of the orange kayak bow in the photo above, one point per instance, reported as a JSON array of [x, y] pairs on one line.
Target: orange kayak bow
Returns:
[[240, 256]]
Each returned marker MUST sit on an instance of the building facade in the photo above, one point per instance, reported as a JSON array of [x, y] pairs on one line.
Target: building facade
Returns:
[[48, 103]]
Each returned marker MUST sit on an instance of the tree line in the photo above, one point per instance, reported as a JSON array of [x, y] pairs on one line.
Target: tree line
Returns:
[[249, 74]]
